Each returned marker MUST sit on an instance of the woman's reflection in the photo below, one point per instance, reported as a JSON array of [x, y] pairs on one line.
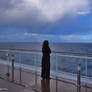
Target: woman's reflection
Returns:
[[45, 85]]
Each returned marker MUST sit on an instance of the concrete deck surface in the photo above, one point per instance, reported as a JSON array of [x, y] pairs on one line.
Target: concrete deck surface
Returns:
[[28, 79], [6, 86], [42, 86]]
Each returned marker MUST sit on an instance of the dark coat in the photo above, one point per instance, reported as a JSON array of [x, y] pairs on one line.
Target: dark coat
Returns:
[[46, 62]]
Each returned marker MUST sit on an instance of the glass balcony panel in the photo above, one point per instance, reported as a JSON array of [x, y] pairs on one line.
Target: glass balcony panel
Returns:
[[88, 72], [28, 68], [4, 64]]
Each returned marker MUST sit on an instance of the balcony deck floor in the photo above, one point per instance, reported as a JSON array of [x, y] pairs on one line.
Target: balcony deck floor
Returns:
[[42, 85]]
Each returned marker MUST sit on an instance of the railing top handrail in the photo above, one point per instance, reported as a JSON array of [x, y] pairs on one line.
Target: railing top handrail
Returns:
[[54, 52]]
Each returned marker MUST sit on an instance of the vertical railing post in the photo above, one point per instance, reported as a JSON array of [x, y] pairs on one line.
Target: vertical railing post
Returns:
[[12, 68], [79, 78], [35, 58], [86, 69], [56, 73], [20, 67], [8, 74]]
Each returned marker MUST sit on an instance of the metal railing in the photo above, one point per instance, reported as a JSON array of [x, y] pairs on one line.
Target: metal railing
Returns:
[[24, 67]]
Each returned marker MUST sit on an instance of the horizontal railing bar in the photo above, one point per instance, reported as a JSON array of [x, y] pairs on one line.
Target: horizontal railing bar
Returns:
[[62, 54], [81, 57]]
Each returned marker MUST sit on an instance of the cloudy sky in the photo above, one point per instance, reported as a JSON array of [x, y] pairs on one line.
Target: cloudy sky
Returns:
[[53, 20]]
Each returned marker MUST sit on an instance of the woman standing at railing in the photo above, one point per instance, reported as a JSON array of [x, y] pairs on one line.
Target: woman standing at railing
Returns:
[[45, 73]]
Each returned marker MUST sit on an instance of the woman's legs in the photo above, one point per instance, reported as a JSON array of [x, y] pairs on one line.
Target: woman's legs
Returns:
[[48, 71], [43, 72]]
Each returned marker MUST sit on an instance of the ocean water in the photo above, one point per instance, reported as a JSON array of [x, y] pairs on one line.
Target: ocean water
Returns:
[[59, 62], [73, 47]]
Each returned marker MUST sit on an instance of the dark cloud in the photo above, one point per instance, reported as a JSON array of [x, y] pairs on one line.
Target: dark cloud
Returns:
[[46, 17]]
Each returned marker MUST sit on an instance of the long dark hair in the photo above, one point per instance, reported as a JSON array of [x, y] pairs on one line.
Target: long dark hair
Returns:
[[45, 44]]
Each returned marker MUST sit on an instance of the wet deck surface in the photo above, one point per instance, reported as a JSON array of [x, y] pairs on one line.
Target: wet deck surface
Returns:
[[28, 79], [42, 86], [6, 86]]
